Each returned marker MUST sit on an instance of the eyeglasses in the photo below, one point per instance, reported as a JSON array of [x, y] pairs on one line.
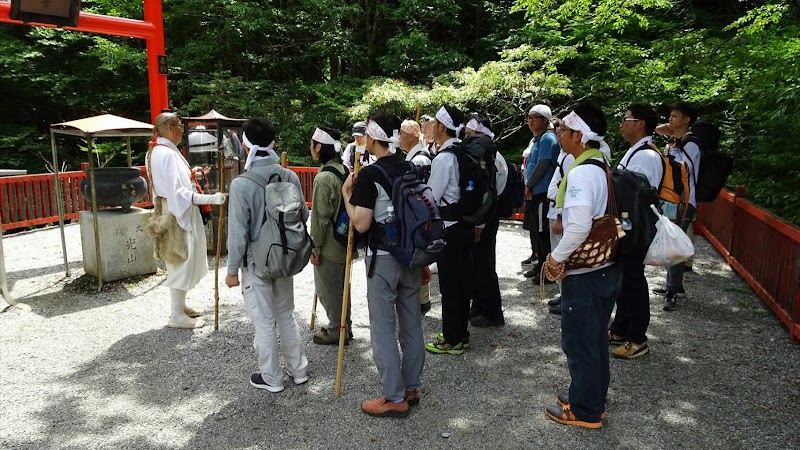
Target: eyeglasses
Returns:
[[628, 119], [179, 124]]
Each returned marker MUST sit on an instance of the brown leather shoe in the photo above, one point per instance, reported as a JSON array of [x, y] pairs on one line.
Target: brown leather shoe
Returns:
[[384, 408], [412, 397]]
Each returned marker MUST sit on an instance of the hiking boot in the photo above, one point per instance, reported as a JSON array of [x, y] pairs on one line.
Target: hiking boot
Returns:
[[484, 322], [412, 397], [670, 302], [630, 350], [257, 382], [615, 339], [661, 291], [563, 400], [555, 301], [464, 342], [562, 414], [322, 337], [381, 407], [425, 307], [556, 309], [440, 348], [530, 261]]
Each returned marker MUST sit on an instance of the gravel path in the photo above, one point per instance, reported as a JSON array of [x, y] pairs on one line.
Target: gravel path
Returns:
[[82, 370]]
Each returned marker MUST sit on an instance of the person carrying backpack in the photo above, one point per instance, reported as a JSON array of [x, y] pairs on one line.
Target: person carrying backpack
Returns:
[[456, 260], [685, 149], [328, 255], [269, 302], [392, 287], [486, 309], [413, 143], [629, 328]]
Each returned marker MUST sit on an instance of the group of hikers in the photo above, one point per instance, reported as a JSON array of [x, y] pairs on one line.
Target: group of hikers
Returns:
[[426, 197]]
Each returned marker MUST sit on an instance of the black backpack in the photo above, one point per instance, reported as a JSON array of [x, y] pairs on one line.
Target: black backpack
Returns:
[[477, 181], [634, 195], [342, 222], [715, 166], [513, 195]]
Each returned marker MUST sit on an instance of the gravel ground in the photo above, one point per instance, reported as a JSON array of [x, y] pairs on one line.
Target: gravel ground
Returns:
[[81, 369]]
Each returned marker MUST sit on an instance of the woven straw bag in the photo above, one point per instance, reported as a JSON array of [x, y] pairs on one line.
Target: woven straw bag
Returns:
[[601, 245]]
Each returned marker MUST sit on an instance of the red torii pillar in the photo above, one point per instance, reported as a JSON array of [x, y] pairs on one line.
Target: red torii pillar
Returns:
[[151, 29]]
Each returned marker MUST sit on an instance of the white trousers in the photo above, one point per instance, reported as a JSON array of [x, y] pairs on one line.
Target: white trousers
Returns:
[[270, 305]]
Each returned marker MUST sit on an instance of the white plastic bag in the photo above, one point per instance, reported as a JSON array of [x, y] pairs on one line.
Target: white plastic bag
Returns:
[[670, 246]]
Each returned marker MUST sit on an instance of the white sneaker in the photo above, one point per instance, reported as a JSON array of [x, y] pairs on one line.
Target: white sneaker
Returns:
[[434, 268], [300, 380]]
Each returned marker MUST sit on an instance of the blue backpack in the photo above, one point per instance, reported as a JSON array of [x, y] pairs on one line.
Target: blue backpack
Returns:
[[421, 228]]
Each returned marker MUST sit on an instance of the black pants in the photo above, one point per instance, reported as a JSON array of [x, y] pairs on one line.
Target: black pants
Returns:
[[455, 267], [486, 286], [633, 304], [540, 226]]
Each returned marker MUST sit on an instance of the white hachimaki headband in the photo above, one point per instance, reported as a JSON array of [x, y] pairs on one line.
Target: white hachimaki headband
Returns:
[[574, 122], [324, 138], [444, 118], [251, 157], [473, 124], [376, 132]]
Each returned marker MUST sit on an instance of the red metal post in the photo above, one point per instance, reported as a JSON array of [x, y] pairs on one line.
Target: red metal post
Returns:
[[151, 29], [156, 48]]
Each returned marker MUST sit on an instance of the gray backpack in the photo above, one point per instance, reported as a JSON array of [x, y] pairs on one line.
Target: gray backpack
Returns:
[[283, 247]]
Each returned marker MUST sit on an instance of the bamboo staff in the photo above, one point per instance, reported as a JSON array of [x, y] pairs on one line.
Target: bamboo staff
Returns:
[[346, 291], [219, 240]]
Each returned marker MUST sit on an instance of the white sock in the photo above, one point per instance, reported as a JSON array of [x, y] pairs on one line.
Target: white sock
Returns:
[[178, 304]]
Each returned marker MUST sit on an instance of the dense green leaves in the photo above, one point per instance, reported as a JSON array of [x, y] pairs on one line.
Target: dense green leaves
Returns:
[[305, 63]]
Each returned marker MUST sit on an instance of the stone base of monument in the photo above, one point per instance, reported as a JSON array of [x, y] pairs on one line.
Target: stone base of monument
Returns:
[[125, 249]]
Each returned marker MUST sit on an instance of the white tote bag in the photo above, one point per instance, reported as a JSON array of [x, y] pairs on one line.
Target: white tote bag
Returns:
[[671, 244]]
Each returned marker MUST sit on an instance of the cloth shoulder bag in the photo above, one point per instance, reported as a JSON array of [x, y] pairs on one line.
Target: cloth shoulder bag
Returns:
[[601, 245]]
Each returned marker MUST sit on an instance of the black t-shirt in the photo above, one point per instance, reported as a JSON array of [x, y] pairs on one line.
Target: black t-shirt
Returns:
[[365, 193]]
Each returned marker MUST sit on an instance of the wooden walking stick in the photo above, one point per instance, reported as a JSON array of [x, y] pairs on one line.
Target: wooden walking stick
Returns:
[[346, 293], [220, 222], [419, 110], [314, 312]]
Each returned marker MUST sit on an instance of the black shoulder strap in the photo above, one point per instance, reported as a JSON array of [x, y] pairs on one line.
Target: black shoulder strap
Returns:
[[331, 169], [642, 147]]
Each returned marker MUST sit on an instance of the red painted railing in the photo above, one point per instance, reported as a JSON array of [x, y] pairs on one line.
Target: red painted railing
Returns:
[[762, 248], [29, 200]]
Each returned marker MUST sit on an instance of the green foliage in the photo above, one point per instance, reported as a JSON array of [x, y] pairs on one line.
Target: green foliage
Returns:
[[304, 63]]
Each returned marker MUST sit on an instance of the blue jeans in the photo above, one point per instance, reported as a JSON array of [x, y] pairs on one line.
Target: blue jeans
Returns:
[[587, 300]]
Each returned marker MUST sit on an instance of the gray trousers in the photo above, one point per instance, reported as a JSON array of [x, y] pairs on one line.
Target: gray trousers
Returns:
[[329, 283], [393, 299], [675, 273], [270, 305]]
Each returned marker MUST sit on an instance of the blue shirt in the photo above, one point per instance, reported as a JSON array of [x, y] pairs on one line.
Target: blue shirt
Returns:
[[544, 147]]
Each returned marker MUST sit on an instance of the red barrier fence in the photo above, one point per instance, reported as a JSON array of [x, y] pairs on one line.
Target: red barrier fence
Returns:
[[762, 248], [29, 200]]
